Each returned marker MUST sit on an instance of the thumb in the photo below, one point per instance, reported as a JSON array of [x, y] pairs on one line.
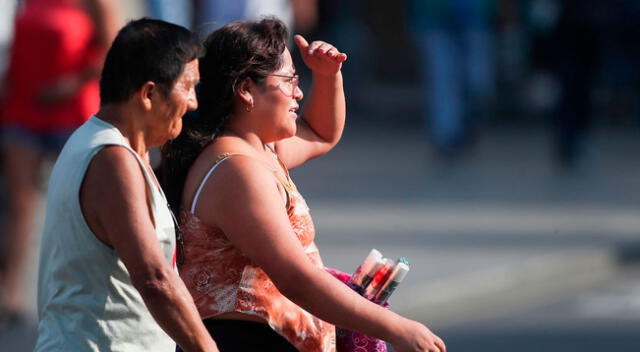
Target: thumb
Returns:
[[302, 44]]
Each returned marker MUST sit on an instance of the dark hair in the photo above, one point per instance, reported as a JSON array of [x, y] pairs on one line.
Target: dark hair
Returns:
[[146, 50], [232, 53]]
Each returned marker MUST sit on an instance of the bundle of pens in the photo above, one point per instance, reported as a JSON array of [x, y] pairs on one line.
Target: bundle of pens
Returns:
[[375, 279]]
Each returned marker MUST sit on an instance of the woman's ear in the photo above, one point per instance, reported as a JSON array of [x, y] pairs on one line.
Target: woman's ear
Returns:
[[147, 94], [245, 91]]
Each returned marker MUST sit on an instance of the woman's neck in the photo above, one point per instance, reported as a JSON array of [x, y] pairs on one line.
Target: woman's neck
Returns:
[[250, 138]]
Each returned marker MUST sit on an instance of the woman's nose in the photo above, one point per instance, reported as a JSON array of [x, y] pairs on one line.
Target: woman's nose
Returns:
[[297, 93]]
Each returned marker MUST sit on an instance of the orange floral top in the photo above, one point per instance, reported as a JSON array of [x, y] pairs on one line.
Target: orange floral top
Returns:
[[222, 279]]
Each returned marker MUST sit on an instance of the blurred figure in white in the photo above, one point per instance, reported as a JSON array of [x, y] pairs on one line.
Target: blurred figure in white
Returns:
[[7, 13], [212, 14], [178, 12]]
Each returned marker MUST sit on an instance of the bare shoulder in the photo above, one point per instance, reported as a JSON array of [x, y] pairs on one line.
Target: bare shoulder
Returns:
[[113, 188], [116, 163], [241, 173], [114, 173], [238, 185], [226, 172]]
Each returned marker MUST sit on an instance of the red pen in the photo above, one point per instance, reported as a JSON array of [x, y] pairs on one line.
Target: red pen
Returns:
[[379, 278], [357, 280]]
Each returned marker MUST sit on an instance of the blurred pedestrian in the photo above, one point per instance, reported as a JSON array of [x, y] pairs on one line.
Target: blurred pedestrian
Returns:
[[178, 12], [592, 37], [7, 13], [213, 14], [454, 39], [107, 278], [250, 260], [51, 88], [7, 19]]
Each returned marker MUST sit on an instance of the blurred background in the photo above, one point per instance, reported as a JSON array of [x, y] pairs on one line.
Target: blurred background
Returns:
[[492, 142]]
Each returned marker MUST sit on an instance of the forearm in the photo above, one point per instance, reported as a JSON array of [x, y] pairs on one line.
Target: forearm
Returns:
[[325, 109], [172, 307], [88, 73], [107, 20], [332, 301]]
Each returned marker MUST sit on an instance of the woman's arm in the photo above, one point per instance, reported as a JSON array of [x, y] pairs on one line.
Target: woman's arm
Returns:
[[322, 121], [249, 209], [106, 20]]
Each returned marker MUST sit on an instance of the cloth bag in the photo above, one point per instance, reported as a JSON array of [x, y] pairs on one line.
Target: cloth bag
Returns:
[[353, 341]]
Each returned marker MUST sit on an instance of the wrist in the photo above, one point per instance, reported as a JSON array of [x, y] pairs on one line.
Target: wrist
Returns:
[[395, 329], [326, 75], [405, 332]]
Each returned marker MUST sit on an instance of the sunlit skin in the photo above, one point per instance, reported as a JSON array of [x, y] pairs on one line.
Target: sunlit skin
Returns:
[[114, 187], [276, 109], [171, 108], [244, 200]]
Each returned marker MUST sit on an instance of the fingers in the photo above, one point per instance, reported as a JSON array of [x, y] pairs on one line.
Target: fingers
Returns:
[[320, 57], [336, 55], [302, 43], [341, 57], [320, 48], [437, 345]]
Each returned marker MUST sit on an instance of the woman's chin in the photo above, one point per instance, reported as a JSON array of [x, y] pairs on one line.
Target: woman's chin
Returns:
[[293, 130]]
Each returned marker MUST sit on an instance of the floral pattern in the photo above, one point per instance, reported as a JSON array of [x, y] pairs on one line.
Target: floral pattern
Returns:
[[221, 279]]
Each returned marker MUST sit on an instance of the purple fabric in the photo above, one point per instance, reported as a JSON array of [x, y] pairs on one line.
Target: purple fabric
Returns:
[[353, 341]]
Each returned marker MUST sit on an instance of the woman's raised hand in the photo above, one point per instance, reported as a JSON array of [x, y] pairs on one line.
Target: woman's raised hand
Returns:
[[321, 57], [416, 337]]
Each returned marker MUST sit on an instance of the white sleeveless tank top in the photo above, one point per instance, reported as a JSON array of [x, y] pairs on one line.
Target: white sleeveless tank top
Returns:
[[86, 301]]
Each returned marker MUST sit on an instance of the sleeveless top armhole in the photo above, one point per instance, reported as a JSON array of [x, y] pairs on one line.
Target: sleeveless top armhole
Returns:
[[286, 183], [222, 157]]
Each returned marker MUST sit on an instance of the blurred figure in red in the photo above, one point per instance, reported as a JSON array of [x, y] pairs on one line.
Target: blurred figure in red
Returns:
[[51, 87]]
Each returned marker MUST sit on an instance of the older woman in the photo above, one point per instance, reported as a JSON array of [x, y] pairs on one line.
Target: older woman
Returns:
[[107, 279], [249, 259]]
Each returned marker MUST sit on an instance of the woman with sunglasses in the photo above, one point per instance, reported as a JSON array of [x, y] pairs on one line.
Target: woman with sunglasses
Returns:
[[249, 259]]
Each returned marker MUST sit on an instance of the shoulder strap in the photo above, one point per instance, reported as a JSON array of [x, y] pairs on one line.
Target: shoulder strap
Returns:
[[222, 157], [286, 182]]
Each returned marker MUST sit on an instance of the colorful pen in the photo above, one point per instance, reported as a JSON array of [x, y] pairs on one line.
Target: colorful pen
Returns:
[[356, 280], [379, 277], [399, 272]]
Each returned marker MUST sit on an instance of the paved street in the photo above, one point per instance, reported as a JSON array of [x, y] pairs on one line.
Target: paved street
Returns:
[[508, 253], [603, 318]]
